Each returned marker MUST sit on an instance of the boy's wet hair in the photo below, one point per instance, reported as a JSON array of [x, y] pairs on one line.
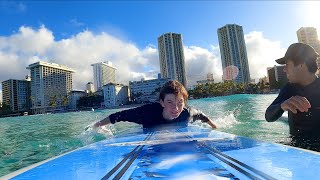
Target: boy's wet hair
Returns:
[[173, 87]]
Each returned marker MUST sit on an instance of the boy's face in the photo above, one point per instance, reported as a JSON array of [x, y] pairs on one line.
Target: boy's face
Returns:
[[172, 106]]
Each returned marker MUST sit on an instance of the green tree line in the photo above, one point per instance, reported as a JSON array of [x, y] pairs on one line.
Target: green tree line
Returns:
[[227, 88]]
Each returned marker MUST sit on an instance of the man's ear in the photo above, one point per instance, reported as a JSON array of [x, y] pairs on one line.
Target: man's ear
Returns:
[[162, 103]]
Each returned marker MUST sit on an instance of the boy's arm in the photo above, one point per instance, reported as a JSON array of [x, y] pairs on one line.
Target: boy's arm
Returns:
[[198, 115]]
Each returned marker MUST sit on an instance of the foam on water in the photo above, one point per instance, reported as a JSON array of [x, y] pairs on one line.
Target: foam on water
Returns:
[[90, 134], [227, 121]]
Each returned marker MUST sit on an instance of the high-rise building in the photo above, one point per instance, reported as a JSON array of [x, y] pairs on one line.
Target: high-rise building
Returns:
[[0, 99], [209, 80], [171, 57], [309, 35], [103, 73], [89, 87], [115, 94], [233, 53], [16, 94], [277, 77], [50, 86]]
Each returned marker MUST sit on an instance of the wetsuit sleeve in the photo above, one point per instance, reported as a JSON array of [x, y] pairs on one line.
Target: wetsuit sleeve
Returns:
[[135, 115], [274, 111], [196, 114]]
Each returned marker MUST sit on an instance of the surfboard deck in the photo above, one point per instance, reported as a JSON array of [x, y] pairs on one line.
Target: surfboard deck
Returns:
[[181, 153]]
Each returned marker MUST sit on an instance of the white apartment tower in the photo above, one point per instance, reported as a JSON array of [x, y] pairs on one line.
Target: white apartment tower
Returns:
[[171, 57], [103, 73], [233, 51], [115, 94], [50, 86], [309, 35]]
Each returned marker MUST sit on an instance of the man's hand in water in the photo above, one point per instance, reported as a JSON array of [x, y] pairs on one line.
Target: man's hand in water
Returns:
[[296, 103]]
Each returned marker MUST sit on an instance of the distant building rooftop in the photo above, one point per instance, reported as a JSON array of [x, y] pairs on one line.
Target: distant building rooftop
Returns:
[[54, 65]]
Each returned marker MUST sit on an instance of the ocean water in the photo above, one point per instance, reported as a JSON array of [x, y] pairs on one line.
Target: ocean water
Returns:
[[26, 140]]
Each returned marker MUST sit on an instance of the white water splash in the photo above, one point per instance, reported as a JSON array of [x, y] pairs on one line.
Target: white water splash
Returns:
[[88, 136], [226, 121]]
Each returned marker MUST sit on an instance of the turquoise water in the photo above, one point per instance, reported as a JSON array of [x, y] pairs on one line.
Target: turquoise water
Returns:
[[26, 140]]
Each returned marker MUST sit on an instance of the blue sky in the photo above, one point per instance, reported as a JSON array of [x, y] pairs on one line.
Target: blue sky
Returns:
[[143, 21], [79, 33]]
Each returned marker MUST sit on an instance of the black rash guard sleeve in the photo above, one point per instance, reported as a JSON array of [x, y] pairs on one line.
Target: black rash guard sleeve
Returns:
[[136, 115], [274, 111], [196, 114]]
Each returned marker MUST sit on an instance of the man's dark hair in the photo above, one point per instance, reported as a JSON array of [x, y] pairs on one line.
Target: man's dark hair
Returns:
[[173, 87], [300, 53]]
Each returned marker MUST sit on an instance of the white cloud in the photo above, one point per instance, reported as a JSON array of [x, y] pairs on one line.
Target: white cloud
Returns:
[[78, 52], [28, 41], [200, 62], [262, 53]]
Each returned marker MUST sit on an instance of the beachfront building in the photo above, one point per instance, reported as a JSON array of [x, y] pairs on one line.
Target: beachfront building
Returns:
[[209, 80], [103, 73], [74, 96], [277, 77], [233, 54], [89, 87], [171, 57], [264, 79], [16, 94], [309, 35], [146, 90], [115, 94], [50, 86]]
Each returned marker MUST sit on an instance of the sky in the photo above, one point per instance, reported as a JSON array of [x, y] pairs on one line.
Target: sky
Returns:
[[79, 33]]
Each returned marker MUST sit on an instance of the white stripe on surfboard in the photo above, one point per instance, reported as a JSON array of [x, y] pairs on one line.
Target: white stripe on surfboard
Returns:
[[155, 142]]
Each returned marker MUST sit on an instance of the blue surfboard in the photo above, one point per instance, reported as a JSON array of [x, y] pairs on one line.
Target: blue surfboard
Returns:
[[178, 153]]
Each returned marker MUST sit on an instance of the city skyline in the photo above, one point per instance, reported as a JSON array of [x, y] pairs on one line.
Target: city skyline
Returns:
[[32, 31]]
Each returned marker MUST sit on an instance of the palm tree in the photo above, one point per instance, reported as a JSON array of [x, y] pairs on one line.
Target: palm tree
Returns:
[[65, 101], [53, 101]]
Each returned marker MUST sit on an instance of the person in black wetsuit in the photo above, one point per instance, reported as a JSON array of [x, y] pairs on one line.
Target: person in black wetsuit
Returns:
[[300, 97], [170, 111]]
